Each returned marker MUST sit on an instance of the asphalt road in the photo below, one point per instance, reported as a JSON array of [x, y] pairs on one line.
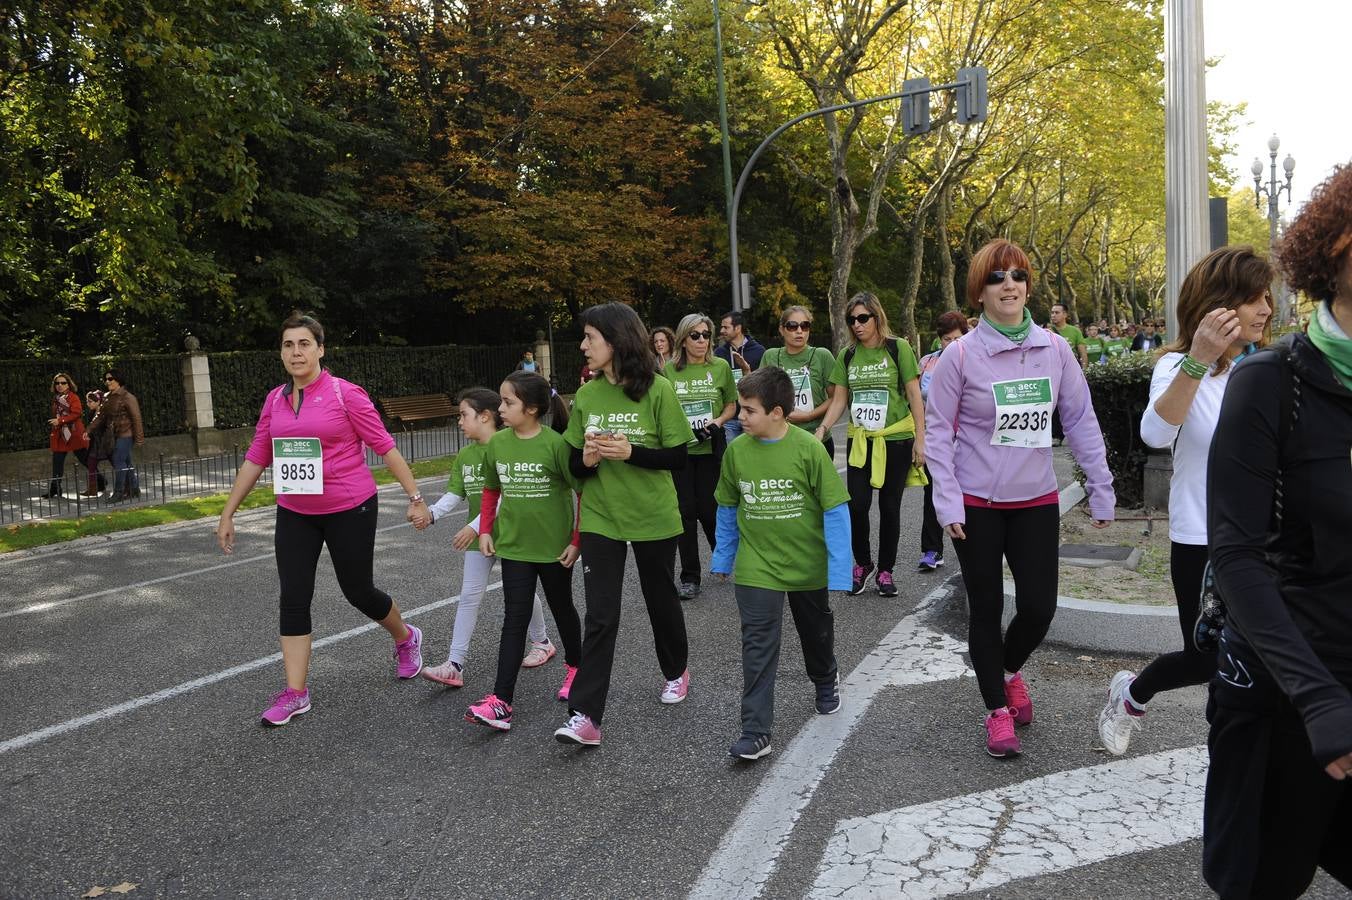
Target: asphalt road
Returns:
[[135, 669]]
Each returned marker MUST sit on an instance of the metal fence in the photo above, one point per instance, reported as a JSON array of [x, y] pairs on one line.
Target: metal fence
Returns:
[[161, 480]]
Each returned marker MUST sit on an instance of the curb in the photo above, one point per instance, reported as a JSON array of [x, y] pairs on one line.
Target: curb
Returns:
[[1101, 625]]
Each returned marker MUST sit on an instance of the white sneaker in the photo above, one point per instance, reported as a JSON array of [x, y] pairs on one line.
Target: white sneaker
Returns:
[[1116, 722]]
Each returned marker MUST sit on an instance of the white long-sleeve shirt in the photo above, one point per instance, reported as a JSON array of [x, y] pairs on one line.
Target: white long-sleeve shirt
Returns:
[[1191, 443]]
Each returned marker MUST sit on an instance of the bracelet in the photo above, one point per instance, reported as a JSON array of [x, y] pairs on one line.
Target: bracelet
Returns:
[[416, 498], [1193, 368]]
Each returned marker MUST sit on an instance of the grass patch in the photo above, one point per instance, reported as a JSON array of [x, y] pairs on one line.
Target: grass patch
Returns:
[[55, 531]]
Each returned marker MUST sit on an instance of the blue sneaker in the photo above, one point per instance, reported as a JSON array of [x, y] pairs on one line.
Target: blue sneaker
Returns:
[[750, 746]]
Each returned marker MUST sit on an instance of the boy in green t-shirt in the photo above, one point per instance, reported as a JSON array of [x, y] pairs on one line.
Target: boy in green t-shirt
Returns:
[[783, 518]]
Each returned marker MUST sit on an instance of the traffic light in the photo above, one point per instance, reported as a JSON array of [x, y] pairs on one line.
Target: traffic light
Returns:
[[973, 103], [915, 106]]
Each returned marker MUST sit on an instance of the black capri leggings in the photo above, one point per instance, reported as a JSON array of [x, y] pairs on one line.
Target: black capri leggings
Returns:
[[351, 538], [1189, 665], [1028, 539]]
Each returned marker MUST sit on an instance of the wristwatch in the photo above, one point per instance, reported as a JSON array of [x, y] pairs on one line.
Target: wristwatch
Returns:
[[416, 498]]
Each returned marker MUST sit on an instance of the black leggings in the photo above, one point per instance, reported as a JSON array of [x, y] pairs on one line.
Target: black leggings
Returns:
[[1189, 665], [603, 576], [59, 466], [351, 538], [1028, 539], [889, 504], [518, 602], [695, 486], [931, 532]]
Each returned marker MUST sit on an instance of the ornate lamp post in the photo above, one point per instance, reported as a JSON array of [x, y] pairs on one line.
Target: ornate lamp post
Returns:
[[1273, 189]]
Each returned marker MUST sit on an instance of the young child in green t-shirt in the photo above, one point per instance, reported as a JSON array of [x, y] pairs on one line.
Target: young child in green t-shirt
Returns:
[[783, 518]]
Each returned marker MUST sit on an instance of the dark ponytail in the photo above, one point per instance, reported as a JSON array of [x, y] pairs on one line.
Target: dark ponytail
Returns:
[[482, 400], [535, 392]]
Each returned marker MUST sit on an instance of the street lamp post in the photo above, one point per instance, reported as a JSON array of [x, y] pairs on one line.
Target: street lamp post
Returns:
[[1273, 189]]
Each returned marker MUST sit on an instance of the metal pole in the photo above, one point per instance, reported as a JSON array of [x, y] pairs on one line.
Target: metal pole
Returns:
[[727, 148], [770, 139]]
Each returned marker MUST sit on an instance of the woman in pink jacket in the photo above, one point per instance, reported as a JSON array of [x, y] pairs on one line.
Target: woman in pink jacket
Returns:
[[989, 429], [311, 431]]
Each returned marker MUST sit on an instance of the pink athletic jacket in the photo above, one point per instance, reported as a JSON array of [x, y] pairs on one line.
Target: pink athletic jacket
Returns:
[[343, 417], [960, 418]]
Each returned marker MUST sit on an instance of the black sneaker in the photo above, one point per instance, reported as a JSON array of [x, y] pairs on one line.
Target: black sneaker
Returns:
[[750, 746], [689, 590], [828, 698], [861, 574]]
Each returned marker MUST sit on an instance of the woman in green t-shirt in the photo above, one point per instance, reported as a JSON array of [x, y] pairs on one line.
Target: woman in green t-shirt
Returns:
[[886, 433], [708, 395], [809, 368], [628, 435]]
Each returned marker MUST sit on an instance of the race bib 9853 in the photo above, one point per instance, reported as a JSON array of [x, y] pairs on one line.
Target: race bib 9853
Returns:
[[297, 466]]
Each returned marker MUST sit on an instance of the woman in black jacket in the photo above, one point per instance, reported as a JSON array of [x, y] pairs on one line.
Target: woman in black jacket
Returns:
[[1279, 495]]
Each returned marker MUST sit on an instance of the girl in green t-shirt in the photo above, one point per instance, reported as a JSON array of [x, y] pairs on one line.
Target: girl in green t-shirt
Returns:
[[881, 377], [708, 395], [527, 518], [479, 421], [628, 436]]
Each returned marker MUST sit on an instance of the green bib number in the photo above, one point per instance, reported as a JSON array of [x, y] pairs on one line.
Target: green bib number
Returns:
[[868, 409], [1023, 413], [297, 466], [699, 413]]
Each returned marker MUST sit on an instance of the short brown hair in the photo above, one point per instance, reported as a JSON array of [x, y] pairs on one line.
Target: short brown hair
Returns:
[[998, 254], [1315, 243], [950, 321], [298, 319], [1227, 277], [770, 386]]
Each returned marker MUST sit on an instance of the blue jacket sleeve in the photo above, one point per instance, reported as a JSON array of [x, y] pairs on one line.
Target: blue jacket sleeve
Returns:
[[839, 559], [726, 539]]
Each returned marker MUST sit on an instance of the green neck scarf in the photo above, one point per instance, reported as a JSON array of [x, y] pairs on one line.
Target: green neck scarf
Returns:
[[1015, 333], [1332, 342]]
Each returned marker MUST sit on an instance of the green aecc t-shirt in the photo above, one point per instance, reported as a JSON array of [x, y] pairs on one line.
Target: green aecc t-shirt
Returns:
[[467, 476], [873, 383], [703, 389], [535, 518], [622, 501], [810, 372], [780, 489]]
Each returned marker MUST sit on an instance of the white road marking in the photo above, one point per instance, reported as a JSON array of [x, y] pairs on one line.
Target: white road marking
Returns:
[[51, 731], [746, 857], [45, 605], [1036, 827]]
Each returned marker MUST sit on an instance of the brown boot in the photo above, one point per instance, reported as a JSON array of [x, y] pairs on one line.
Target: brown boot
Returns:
[[92, 490]]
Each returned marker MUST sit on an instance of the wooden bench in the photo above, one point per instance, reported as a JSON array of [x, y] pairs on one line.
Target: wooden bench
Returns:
[[417, 407]]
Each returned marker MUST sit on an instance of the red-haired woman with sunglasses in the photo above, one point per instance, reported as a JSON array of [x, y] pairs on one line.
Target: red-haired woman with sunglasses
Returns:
[[990, 437]]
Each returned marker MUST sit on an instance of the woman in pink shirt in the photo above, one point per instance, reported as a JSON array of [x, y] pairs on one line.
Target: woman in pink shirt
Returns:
[[311, 431], [989, 423]]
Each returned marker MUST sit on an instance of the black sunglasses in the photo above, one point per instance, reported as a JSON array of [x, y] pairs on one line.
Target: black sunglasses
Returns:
[[62, 381], [700, 335], [797, 326], [997, 276], [106, 379], [859, 319]]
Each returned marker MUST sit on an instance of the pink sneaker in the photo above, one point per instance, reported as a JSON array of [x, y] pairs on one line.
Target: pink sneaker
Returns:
[[539, 654], [492, 712], [1001, 741], [569, 673], [285, 704], [408, 653], [579, 730], [448, 673], [1016, 697], [675, 690]]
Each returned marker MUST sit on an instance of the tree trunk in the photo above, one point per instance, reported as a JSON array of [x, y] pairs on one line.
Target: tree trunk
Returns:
[[912, 290], [947, 273]]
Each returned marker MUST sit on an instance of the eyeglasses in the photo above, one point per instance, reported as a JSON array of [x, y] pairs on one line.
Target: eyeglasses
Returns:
[[997, 276], [109, 378], [859, 319], [60, 381], [797, 326], [700, 335]]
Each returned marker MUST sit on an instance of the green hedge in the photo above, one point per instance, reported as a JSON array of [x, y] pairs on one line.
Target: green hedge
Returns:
[[157, 382], [1121, 391], [240, 381]]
